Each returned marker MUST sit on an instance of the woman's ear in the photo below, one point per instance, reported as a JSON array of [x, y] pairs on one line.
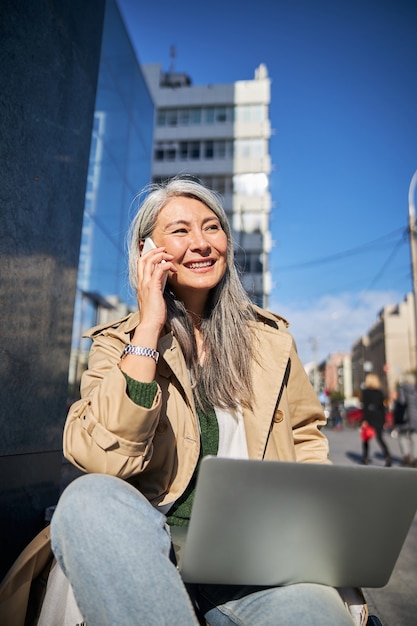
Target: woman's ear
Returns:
[[141, 244]]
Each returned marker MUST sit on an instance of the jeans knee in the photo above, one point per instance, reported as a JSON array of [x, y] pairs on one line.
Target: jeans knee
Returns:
[[82, 502], [96, 504]]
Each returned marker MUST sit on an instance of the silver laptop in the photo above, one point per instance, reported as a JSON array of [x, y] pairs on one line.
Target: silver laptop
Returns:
[[277, 523]]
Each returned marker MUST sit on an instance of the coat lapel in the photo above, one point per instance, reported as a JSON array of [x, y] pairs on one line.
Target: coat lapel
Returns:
[[172, 357]]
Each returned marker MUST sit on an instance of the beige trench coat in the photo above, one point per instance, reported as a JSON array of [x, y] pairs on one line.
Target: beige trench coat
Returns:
[[157, 449]]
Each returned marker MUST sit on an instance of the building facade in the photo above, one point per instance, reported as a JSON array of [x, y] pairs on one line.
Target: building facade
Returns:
[[220, 133], [337, 374], [389, 347]]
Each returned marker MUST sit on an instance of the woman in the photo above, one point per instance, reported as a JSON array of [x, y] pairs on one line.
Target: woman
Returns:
[[373, 414], [197, 370]]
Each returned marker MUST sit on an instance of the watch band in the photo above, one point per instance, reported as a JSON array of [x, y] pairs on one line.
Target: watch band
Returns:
[[140, 351]]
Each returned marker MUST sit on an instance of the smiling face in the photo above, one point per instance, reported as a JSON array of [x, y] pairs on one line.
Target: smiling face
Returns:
[[192, 233]]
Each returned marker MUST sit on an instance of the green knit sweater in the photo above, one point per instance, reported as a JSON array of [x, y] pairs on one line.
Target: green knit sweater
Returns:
[[143, 394]]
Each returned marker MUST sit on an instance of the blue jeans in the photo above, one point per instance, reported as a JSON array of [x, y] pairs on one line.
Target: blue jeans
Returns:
[[114, 548]]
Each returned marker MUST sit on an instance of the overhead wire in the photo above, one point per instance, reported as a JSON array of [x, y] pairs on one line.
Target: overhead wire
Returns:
[[388, 260], [365, 247], [357, 250], [345, 253]]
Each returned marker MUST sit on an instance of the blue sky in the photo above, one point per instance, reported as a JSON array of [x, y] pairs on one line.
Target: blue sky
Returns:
[[344, 149]]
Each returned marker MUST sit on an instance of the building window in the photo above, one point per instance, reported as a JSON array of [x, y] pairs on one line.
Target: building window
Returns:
[[250, 148], [255, 184], [192, 116], [195, 116], [184, 117], [193, 150], [208, 150], [223, 149], [221, 184], [166, 151], [221, 115], [160, 118], [189, 117], [251, 113], [171, 118], [189, 150], [219, 149], [249, 263], [217, 115]]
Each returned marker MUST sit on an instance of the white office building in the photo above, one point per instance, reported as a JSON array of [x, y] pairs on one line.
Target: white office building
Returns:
[[220, 133]]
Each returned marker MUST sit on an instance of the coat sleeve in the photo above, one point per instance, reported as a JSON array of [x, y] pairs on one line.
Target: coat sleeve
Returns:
[[307, 417], [105, 431]]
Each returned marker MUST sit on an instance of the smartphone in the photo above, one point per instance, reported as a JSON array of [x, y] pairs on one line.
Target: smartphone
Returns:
[[149, 245]]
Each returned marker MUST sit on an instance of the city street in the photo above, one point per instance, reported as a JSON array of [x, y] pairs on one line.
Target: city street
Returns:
[[396, 603]]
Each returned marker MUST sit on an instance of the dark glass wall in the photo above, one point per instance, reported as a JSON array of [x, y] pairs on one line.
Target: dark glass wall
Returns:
[[49, 58], [120, 165], [120, 161]]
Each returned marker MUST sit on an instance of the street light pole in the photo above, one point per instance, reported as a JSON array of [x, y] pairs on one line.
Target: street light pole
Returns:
[[314, 345], [413, 251]]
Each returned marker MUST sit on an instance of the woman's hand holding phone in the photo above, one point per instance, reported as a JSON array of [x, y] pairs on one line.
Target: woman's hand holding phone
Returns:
[[152, 308], [151, 284], [149, 245]]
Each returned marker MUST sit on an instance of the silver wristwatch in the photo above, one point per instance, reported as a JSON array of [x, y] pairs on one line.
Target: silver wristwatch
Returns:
[[140, 351]]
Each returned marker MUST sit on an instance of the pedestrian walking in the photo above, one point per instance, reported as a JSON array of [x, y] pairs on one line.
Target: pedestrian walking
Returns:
[[405, 416], [373, 414]]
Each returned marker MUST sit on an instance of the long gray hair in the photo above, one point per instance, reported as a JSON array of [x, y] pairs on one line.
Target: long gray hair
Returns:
[[225, 379]]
